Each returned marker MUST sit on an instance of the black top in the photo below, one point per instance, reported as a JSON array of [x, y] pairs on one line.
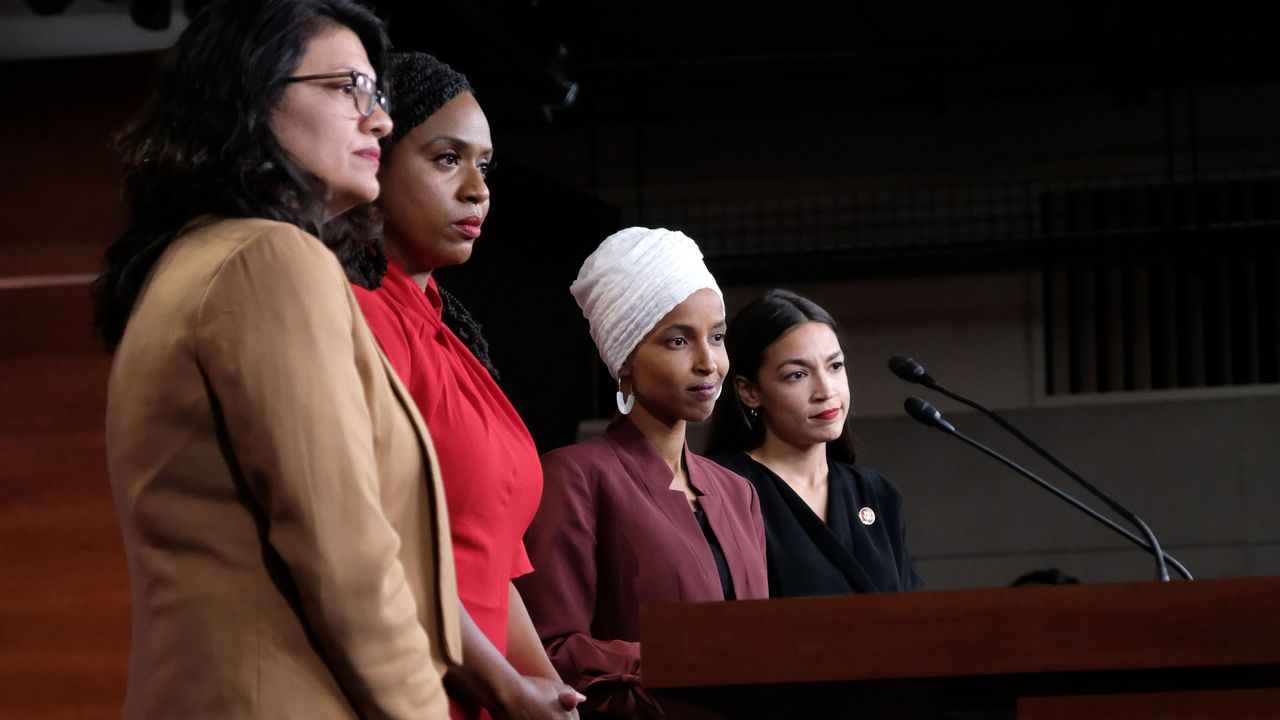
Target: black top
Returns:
[[843, 555], [722, 565]]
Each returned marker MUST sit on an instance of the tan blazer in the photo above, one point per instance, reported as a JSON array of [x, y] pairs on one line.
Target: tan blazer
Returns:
[[283, 518]]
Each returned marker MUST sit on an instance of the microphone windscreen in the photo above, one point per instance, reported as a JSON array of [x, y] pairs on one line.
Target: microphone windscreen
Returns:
[[921, 410], [906, 368]]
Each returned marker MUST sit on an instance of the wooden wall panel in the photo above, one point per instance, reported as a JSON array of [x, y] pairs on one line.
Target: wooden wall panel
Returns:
[[64, 594]]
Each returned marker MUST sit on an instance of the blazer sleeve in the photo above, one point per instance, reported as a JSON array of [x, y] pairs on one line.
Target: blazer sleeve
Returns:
[[561, 594], [276, 340]]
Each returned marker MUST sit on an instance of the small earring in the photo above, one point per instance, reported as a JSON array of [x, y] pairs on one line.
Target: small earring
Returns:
[[624, 403], [753, 413]]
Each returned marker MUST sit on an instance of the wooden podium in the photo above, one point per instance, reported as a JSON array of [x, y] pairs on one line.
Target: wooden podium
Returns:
[[1202, 649]]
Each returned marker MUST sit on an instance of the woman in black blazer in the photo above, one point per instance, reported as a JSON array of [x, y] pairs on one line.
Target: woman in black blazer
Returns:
[[831, 526]]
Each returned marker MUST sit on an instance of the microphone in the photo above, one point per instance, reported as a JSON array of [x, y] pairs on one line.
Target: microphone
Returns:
[[911, 371], [927, 414]]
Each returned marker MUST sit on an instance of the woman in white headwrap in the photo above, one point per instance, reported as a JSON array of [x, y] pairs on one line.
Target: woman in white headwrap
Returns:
[[633, 517]]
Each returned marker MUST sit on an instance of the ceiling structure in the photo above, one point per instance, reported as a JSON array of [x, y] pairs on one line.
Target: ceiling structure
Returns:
[[589, 63], [581, 61], [730, 57]]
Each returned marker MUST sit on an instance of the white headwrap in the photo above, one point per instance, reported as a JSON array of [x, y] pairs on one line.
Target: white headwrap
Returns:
[[632, 281]]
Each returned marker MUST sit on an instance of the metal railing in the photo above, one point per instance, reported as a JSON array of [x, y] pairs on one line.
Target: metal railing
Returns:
[[961, 218]]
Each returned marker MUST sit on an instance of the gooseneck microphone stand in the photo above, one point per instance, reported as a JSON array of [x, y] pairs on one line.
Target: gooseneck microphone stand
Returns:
[[912, 371]]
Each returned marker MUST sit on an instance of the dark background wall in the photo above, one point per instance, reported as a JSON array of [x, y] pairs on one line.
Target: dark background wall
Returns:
[[1033, 199], [1068, 210]]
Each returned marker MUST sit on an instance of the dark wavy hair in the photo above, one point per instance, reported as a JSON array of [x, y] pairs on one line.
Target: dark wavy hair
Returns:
[[203, 144], [750, 333]]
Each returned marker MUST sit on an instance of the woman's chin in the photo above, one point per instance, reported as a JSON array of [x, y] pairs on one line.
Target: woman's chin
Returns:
[[461, 253], [345, 200], [428, 253], [700, 414], [829, 436]]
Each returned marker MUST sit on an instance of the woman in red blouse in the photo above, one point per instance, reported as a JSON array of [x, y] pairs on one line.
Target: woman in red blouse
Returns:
[[434, 201]]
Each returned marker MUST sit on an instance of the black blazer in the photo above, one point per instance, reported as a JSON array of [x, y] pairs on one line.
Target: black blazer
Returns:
[[843, 555]]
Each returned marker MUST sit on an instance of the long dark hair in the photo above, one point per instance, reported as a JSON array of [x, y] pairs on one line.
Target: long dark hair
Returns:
[[750, 333], [203, 144]]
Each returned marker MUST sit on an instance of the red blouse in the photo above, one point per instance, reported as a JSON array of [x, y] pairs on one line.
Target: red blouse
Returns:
[[492, 476]]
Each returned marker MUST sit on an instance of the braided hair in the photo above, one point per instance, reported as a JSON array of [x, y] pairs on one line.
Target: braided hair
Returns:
[[459, 320], [419, 85]]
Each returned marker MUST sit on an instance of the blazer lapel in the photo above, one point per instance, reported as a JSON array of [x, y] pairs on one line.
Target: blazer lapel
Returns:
[[821, 533], [712, 501], [439, 506], [641, 461], [854, 494]]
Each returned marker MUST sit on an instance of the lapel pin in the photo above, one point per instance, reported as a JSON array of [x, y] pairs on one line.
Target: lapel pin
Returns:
[[867, 515]]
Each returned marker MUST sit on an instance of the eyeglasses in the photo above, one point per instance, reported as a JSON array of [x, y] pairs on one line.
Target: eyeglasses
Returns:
[[363, 90]]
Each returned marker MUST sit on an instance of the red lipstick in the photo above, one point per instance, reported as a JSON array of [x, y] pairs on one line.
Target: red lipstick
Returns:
[[469, 226]]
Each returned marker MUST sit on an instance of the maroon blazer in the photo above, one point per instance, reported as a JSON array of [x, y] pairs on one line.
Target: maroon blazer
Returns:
[[611, 535]]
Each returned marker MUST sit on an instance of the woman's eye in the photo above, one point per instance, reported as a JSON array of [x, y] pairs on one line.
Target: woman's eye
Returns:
[[448, 158], [485, 168], [677, 342], [838, 365], [717, 338], [797, 375], [347, 89]]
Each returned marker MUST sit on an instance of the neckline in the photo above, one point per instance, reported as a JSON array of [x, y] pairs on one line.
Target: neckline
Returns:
[[786, 486]]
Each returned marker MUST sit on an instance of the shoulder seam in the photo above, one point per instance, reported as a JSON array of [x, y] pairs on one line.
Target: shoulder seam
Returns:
[[274, 227]]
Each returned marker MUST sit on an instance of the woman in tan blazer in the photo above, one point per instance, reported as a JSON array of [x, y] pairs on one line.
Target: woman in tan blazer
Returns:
[[283, 519]]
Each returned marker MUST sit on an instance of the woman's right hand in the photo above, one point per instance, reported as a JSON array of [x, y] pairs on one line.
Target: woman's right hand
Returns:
[[538, 698]]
